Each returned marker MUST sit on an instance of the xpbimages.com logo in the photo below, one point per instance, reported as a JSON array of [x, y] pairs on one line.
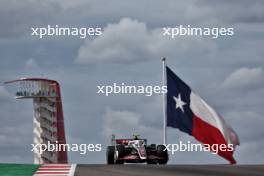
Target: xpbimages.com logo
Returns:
[[188, 30], [194, 147], [81, 32], [130, 89], [51, 147]]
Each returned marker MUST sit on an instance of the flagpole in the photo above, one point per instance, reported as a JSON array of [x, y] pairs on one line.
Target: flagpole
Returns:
[[164, 102]]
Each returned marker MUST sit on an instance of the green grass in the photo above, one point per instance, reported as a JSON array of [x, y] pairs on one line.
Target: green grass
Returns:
[[17, 169]]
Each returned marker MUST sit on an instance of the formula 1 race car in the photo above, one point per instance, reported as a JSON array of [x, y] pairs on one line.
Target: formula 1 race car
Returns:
[[135, 151]]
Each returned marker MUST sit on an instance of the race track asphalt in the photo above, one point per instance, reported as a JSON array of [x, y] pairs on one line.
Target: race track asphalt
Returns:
[[168, 170]]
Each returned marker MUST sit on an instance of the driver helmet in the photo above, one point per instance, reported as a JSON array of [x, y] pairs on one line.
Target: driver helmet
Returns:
[[136, 136]]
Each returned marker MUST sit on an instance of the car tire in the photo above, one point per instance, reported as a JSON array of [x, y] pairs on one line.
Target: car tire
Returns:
[[153, 145], [121, 150], [151, 162], [163, 153], [119, 162], [110, 155]]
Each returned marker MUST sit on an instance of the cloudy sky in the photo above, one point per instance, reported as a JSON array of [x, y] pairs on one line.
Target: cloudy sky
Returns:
[[227, 72]]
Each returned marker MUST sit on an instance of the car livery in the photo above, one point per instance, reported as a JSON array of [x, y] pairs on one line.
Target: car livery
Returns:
[[135, 151]]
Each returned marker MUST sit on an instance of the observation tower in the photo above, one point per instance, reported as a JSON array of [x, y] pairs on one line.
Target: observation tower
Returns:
[[48, 120]]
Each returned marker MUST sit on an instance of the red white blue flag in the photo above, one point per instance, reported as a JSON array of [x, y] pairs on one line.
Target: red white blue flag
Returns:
[[188, 112]]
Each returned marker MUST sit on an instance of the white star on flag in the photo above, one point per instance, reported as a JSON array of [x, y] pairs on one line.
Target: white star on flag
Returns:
[[179, 102]]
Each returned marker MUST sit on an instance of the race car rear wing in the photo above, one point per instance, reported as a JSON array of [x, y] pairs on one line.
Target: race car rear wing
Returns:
[[115, 141]]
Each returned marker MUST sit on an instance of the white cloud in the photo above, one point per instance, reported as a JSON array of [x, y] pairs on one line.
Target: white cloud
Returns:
[[4, 94], [15, 135], [17, 17], [76, 12], [31, 64], [121, 42], [131, 41], [124, 124], [120, 122], [244, 77]]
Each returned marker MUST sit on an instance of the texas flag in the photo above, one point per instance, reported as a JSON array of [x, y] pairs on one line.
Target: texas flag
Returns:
[[188, 112]]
